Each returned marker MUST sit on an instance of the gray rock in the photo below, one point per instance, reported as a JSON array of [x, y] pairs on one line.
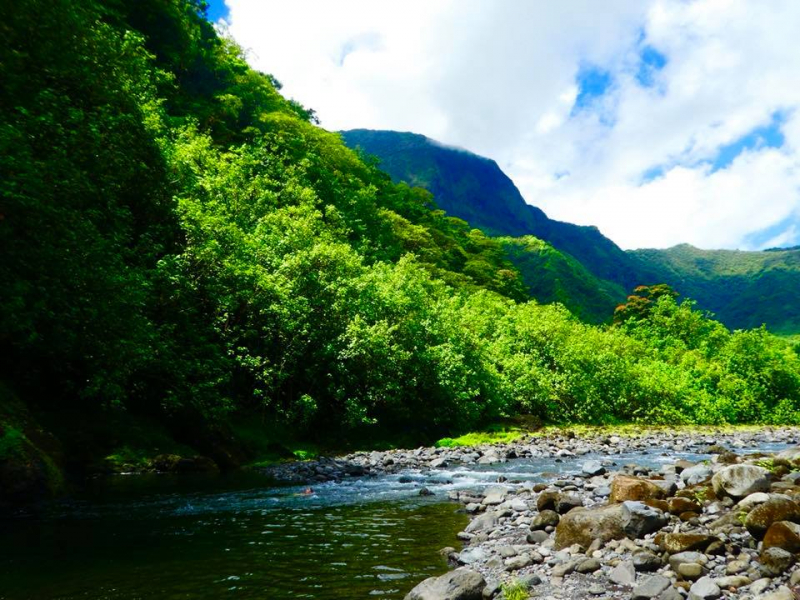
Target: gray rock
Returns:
[[782, 593], [438, 463], [588, 565], [491, 590], [518, 562], [530, 580], [461, 584], [759, 585], [690, 571], [775, 561], [696, 474], [704, 589], [650, 587], [623, 574], [738, 481], [546, 518], [641, 519], [676, 560], [592, 468], [537, 537], [485, 521], [646, 561], [472, 555]]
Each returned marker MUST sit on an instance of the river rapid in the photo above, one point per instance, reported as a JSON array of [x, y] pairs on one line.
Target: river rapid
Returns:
[[242, 537]]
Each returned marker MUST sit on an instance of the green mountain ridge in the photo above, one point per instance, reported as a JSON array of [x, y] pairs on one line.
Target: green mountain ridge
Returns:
[[742, 288]]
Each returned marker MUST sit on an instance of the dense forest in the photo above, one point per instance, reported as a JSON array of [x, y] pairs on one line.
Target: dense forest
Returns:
[[184, 245], [578, 266]]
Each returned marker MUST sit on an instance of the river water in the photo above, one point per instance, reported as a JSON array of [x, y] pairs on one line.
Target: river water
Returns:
[[240, 537]]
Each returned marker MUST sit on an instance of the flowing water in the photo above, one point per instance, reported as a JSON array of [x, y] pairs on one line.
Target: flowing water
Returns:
[[240, 537]]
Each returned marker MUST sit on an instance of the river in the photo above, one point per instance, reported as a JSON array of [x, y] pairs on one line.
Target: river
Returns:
[[240, 537]]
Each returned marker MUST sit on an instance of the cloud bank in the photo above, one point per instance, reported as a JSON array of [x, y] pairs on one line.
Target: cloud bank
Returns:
[[660, 122]]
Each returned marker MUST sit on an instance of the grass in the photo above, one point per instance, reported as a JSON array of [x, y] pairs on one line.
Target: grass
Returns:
[[495, 434], [515, 590]]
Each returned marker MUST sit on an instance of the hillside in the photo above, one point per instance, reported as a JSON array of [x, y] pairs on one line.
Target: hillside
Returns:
[[475, 189], [744, 289]]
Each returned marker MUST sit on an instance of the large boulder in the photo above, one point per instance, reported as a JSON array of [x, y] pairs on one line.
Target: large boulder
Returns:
[[738, 481], [632, 488], [785, 535], [777, 508], [461, 584], [696, 474], [613, 522]]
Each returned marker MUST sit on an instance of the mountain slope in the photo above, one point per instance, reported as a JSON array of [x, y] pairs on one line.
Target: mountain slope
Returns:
[[744, 289], [475, 189]]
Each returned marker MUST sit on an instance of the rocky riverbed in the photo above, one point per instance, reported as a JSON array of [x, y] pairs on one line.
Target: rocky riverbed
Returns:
[[726, 527]]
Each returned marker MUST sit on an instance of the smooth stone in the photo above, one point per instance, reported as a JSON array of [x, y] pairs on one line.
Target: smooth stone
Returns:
[[776, 561], [704, 589], [650, 587], [592, 468], [782, 593], [738, 481], [461, 584], [690, 571], [623, 574], [696, 474]]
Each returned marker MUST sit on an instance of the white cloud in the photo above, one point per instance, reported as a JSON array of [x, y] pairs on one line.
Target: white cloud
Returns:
[[499, 78]]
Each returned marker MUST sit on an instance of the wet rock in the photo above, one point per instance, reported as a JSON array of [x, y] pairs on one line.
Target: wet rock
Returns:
[[461, 584], [783, 534], [592, 468], [775, 561], [775, 509], [738, 481], [650, 587], [704, 589], [546, 518], [425, 492], [632, 488]]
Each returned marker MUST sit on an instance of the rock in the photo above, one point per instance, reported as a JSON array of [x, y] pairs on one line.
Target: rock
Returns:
[[650, 588], [646, 561], [589, 565], [759, 585], [696, 474], [681, 542], [530, 580], [491, 590], [777, 508], [472, 555], [494, 499], [704, 589], [736, 566], [546, 518], [518, 562], [485, 521], [592, 468], [623, 574], [537, 537], [732, 581], [782, 593], [738, 481], [632, 488], [751, 500], [677, 506], [690, 571], [438, 463], [425, 492], [566, 502], [461, 584], [775, 561], [676, 560], [564, 569], [641, 519], [783, 534], [547, 500], [613, 522]]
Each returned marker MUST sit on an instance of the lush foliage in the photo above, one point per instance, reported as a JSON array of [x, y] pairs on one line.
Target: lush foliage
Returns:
[[581, 268], [181, 241]]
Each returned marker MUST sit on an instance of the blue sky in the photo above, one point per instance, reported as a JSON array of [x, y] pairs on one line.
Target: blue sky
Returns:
[[659, 121], [216, 10]]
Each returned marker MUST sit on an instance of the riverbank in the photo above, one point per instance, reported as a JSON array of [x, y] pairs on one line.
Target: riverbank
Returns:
[[725, 527]]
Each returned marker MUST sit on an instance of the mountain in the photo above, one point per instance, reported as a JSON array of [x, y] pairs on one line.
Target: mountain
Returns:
[[475, 189], [582, 268], [743, 289]]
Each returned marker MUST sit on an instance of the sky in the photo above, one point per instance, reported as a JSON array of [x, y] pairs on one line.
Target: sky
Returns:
[[659, 121]]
